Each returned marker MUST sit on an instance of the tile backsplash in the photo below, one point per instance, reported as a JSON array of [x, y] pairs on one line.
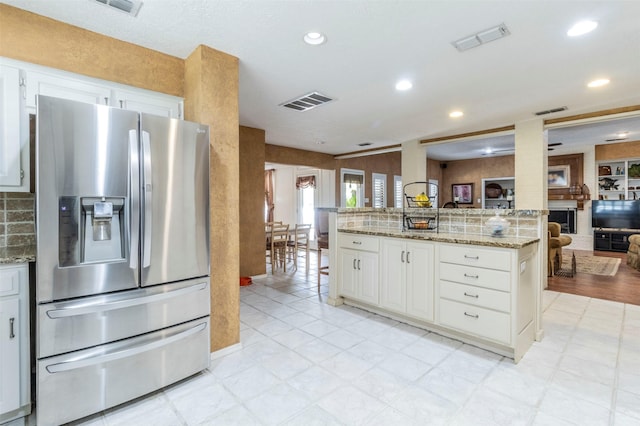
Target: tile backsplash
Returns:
[[17, 219]]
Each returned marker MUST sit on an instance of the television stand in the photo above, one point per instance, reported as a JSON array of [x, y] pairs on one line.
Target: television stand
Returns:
[[612, 239]]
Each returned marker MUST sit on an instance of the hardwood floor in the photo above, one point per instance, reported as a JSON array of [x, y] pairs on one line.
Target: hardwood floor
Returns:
[[623, 287]]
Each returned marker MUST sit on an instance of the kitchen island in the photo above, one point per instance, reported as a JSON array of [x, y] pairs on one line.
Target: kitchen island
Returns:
[[473, 287]]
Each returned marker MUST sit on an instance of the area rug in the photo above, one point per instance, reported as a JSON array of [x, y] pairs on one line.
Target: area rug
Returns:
[[594, 265]]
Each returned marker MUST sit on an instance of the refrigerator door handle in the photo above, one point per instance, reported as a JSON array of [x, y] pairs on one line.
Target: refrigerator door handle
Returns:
[[148, 193], [134, 229], [135, 349], [135, 300]]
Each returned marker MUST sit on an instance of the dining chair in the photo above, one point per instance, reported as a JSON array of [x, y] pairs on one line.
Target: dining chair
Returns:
[[278, 246], [299, 241]]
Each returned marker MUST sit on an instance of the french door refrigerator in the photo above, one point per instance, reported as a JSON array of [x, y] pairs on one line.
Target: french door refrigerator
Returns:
[[122, 270]]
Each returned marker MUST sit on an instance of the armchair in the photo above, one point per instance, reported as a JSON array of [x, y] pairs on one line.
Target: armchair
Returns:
[[556, 242]]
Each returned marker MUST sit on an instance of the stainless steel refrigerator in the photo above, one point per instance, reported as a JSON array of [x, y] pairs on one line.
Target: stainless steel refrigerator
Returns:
[[122, 271]]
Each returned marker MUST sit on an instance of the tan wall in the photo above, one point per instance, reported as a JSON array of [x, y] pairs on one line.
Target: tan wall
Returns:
[[617, 151], [434, 171], [473, 171], [33, 38], [252, 243], [298, 157], [389, 164], [211, 97]]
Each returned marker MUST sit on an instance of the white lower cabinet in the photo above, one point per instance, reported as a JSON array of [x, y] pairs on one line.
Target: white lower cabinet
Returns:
[[489, 293], [481, 294], [358, 268], [15, 394], [406, 277]]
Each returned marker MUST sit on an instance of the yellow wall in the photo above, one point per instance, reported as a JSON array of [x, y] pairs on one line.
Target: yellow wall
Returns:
[[209, 86], [252, 237], [33, 38]]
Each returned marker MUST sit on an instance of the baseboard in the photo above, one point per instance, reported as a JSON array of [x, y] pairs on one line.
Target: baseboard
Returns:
[[226, 351]]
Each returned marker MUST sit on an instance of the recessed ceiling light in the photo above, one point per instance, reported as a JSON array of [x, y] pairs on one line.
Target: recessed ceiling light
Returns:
[[404, 85], [456, 114], [488, 151], [581, 28], [599, 82], [314, 38], [623, 134]]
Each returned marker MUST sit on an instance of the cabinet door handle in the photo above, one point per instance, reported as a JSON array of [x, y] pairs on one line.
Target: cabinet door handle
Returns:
[[471, 315], [12, 333], [354, 264], [358, 243], [408, 256], [466, 256], [470, 295], [358, 264], [402, 256], [470, 276]]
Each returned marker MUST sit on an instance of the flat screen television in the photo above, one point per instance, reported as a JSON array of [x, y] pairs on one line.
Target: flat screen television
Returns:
[[615, 214]]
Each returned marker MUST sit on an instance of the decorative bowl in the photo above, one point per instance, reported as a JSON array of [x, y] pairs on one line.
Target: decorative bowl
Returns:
[[493, 190]]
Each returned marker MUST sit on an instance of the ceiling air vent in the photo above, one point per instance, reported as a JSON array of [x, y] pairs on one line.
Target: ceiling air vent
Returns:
[[551, 111], [481, 37], [307, 102], [130, 7], [365, 144]]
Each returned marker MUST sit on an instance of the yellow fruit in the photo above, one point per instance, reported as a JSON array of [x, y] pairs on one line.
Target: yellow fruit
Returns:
[[422, 200]]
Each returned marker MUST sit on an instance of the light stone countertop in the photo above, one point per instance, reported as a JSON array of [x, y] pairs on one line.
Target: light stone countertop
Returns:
[[18, 254], [443, 237]]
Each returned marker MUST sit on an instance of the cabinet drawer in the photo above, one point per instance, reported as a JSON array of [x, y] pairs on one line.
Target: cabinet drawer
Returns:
[[479, 321], [477, 296], [9, 281], [489, 278], [358, 242], [472, 256]]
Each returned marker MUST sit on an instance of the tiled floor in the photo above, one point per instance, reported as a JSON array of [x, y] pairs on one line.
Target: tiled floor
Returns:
[[303, 362]]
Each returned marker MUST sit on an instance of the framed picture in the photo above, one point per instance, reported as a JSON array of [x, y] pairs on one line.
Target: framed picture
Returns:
[[462, 193], [559, 176]]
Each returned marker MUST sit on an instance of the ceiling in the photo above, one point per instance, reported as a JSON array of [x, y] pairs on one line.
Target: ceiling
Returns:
[[372, 44]]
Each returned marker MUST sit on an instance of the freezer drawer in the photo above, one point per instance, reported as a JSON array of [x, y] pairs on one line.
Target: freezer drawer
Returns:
[[78, 384], [91, 321]]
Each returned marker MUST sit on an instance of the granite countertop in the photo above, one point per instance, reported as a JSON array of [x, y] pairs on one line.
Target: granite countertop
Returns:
[[18, 254], [443, 237]]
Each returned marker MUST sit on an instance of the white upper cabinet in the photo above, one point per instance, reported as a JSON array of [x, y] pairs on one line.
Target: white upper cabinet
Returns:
[[65, 85], [12, 173], [65, 88], [164, 106]]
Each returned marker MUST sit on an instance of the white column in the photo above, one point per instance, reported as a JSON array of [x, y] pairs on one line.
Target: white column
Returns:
[[531, 193], [414, 162]]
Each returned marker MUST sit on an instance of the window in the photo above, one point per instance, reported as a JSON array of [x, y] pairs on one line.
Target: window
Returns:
[[379, 190], [352, 188], [397, 192], [433, 191]]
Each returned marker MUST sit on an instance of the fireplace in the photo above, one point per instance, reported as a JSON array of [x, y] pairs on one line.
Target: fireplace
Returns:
[[567, 218]]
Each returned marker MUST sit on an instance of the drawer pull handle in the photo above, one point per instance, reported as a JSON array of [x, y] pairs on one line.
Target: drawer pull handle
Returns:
[[358, 243], [12, 332], [472, 316], [471, 276], [466, 256], [471, 295]]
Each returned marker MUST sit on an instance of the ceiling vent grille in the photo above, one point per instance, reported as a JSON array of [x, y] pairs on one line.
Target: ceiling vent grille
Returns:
[[130, 7], [365, 144], [481, 37], [307, 102], [551, 111]]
